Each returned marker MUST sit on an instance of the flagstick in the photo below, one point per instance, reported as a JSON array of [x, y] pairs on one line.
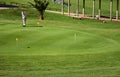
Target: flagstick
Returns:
[[16, 44], [75, 37]]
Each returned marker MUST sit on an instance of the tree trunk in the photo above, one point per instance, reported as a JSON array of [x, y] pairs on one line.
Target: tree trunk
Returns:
[[41, 17]]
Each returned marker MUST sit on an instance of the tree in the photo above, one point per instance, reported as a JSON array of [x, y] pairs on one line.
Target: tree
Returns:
[[40, 5]]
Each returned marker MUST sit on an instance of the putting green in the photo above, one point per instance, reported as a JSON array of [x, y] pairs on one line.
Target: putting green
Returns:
[[53, 41]]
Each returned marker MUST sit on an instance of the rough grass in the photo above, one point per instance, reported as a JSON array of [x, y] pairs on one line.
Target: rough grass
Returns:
[[88, 65]]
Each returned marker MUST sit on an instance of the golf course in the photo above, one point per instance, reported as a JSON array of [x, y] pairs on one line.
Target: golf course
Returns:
[[58, 46]]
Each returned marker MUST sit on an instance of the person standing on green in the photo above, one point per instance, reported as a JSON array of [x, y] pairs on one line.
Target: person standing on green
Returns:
[[24, 18]]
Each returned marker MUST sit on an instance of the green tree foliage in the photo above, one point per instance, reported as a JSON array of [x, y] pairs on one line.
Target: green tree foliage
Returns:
[[40, 5]]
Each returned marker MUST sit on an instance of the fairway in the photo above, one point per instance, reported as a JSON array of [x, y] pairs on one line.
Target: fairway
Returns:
[[58, 46]]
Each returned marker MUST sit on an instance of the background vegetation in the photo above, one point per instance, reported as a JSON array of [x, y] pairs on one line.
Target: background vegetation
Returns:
[[55, 6]]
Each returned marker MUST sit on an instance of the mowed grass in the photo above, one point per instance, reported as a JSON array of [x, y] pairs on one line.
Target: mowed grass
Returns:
[[59, 46]]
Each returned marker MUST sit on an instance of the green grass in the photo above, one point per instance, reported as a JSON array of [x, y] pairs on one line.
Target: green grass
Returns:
[[53, 49], [58, 47]]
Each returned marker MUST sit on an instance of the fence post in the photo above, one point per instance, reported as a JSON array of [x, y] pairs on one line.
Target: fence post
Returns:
[[69, 7], [62, 6], [83, 10], [117, 10], [111, 5], [99, 11], [77, 7], [93, 15]]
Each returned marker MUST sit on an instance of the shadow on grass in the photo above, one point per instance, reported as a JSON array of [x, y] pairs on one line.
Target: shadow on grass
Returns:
[[33, 26], [8, 5], [2, 24]]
